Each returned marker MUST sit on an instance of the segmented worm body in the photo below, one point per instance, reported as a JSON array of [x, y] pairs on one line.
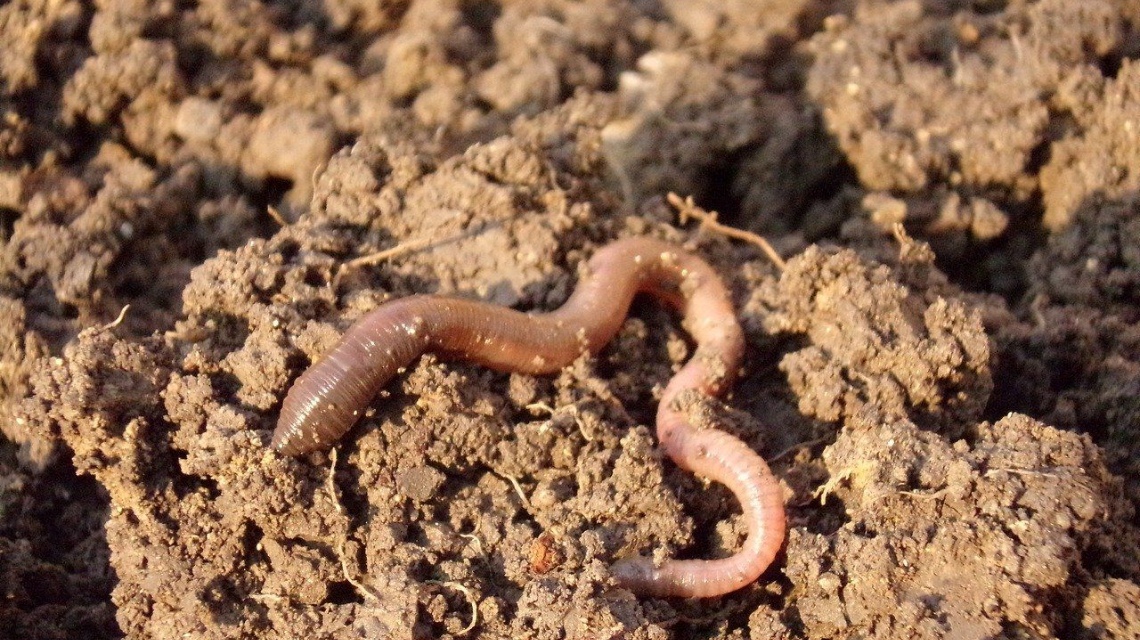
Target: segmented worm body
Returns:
[[330, 396]]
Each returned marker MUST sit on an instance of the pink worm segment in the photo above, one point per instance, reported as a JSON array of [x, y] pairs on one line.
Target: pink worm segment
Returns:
[[329, 397]]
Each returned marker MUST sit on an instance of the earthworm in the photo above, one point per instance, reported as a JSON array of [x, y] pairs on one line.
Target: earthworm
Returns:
[[329, 397]]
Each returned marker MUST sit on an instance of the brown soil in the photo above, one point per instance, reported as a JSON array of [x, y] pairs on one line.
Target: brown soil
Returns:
[[946, 375]]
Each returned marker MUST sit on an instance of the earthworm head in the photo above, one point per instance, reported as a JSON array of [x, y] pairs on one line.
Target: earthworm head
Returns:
[[333, 415]]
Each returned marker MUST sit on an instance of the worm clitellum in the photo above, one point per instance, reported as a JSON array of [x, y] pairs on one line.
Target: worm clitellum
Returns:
[[329, 397]]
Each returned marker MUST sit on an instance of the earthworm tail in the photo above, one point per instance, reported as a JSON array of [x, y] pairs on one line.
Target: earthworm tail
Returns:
[[329, 397]]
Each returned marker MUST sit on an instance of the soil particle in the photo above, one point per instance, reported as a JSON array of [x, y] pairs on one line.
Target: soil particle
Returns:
[[983, 76], [707, 113], [1110, 610], [875, 342], [1094, 261], [288, 144], [109, 82], [1074, 359], [1098, 158], [983, 104], [28, 27], [1014, 508]]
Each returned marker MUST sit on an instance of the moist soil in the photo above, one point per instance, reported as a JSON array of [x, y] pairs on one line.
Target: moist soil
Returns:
[[197, 198]]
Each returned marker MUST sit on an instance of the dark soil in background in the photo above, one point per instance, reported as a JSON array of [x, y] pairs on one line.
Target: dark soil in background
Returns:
[[946, 376]]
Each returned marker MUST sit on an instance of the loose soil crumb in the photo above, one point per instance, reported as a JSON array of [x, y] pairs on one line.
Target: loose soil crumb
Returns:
[[945, 374]]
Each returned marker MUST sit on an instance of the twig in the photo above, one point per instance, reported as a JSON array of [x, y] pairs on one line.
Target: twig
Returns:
[[316, 171], [332, 482], [470, 599], [410, 246], [360, 586], [118, 320], [843, 475], [478, 542], [518, 489], [807, 444], [717, 616], [686, 208], [407, 246], [380, 256], [1023, 472], [276, 215], [540, 407], [923, 496]]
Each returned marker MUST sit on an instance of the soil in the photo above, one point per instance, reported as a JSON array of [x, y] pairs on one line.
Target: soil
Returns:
[[945, 374]]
